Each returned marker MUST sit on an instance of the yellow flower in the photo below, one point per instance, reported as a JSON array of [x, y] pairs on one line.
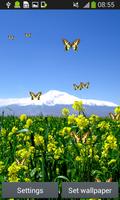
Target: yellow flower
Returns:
[[104, 154], [104, 125], [90, 152], [82, 122], [13, 169], [51, 147], [31, 149], [23, 153], [56, 157], [94, 138], [57, 170], [78, 106], [39, 140], [41, 129], [65, 112], [1, 166], [13, 179], [96, 157], [112, 141], [9, 135], [27, 180], [78, 158], [28, 123], [3, 132], [71, 119], [117, 110], [69, 147], [106, 146], [79, 145], [26, 137], [93, 118], [66, 130], [14, 129], [19, 146], [58, 152], [50, 137], [23, 117]]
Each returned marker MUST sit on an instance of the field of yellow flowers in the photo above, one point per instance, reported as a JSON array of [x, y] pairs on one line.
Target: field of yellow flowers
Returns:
[[67, 148]]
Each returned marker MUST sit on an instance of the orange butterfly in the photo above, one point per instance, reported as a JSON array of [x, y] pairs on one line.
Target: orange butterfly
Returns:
[[108, 180]]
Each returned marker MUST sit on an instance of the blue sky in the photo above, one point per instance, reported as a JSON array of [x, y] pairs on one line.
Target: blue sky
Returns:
[[40, 63]]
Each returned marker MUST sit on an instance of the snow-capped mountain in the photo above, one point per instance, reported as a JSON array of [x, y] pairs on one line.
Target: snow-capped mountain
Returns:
[[51, 103], [54, 97]]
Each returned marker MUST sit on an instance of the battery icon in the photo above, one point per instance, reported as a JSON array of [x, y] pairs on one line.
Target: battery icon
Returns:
[[93, 4]]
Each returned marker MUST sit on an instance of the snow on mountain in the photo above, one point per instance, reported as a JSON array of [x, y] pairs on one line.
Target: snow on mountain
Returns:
[[52, 98]]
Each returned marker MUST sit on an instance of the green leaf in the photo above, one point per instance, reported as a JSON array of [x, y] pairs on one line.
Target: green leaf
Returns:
[[62, 177], [23, 130], [97, 172], [74, 127], [32, 173]]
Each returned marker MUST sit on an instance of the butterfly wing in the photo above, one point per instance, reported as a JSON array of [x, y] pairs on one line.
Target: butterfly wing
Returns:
[[38, 95], [78, 87], [32, 95], [97, 180], [87, 85], [117, 116], [11, 37], [20, 162], [81, 85], [84, 85], [109, 180], [112, 116], [75, 44], [85, 137], [17, 161], [67, 45], [75, 136], [75, 86], [35, 96]]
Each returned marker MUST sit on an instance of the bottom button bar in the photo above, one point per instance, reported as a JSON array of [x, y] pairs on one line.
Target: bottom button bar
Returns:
[[90, 190], [30, 190]]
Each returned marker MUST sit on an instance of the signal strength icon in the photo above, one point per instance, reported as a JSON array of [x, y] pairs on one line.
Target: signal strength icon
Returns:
[[87, 5]]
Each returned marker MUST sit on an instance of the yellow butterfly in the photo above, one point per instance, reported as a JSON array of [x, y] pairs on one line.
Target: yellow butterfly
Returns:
[[78, 139], [74, 135], [85, 136], [81, 86], [108, 180], [69, 45], [35, 96], [114, 116], [20, 162]]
